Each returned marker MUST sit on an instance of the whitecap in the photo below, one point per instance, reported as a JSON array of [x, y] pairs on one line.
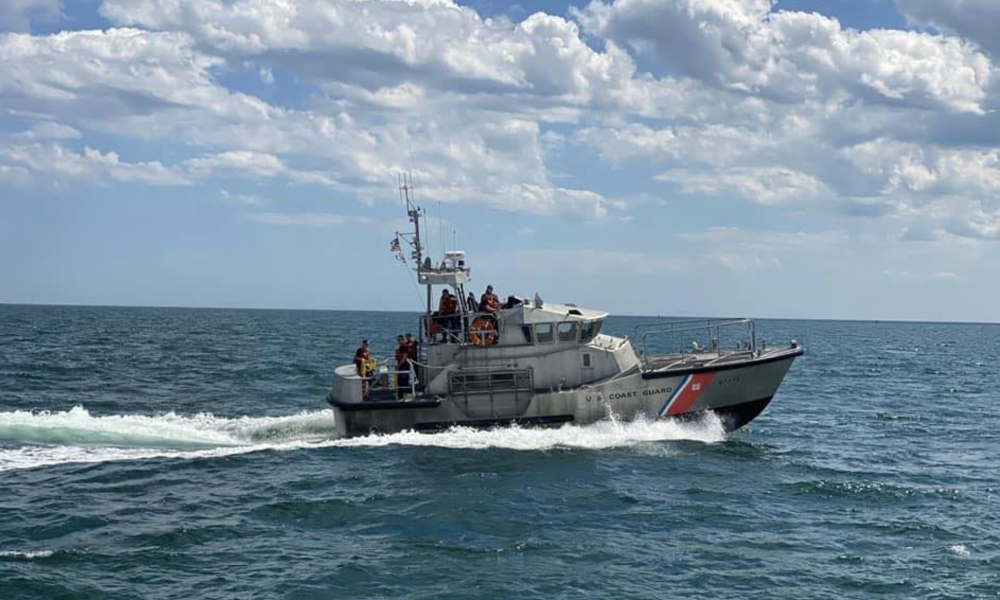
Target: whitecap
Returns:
[[29, 555]]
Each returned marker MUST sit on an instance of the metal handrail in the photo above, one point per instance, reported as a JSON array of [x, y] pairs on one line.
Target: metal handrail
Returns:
[[384, 370], [674, 328], [460, 336]]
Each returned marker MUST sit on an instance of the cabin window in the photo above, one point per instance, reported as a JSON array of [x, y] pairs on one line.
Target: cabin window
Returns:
[[567, 331], [589, 331], [544, 333], [526, 329], [587, 360]]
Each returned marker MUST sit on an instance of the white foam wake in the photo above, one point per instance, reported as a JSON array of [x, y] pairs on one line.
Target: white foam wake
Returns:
[[598, 436], [78, 427], [76, 436]]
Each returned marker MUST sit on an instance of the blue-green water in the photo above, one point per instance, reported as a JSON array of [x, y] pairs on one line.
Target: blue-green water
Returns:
[[173, 453]]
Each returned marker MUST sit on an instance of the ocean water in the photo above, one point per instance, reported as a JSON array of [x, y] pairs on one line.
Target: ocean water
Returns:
[[182, 453]]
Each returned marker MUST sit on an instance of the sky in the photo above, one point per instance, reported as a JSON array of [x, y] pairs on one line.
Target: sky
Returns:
[[831, 159]]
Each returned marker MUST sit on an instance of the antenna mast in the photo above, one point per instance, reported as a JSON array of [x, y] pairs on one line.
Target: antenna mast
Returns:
[[413, 212]]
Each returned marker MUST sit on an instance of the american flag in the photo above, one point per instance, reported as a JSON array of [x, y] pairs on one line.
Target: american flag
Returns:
[[395, 249]]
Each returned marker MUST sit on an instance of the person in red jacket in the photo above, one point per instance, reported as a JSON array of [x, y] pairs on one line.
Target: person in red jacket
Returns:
[[413, 346], [402, 368], [489, 303], [447, 313]]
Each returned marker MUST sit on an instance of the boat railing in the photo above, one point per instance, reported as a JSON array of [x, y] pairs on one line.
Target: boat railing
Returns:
[[385, 380], [696, 336], [457, 328], [486, 380]]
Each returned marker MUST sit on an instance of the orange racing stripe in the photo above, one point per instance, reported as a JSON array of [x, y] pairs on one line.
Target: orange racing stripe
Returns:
[[689, 395]]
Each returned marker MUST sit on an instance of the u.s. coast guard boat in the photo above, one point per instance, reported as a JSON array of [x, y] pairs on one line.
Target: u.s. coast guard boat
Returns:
[[536, 363]]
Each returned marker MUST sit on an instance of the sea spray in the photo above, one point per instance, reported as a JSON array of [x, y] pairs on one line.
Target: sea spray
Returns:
[[77, 427], [597, 436], [76, 436]]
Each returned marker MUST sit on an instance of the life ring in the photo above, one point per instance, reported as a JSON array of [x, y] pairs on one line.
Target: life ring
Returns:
[[482, 332], [368, 367]]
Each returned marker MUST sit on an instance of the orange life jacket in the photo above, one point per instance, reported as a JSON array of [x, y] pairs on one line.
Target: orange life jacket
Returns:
[[489, 303], [448, 305]]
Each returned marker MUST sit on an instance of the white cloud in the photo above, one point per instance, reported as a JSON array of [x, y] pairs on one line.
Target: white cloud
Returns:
[[709, 144], [155, 70], [243, 199], [266, 75], [313, 220], [158, 86], [378, 43], [746, 250], [764, 186], [911, 276], [778, 108], [974, 19], [15, 175], [51, 164], [787, 55], [47, 130], [925, 170], [253, 163]]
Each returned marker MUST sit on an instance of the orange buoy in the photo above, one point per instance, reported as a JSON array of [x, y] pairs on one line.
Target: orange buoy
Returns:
[[482, 332]]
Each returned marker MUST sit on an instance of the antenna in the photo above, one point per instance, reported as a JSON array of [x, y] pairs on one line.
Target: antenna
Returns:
[[441, 227], [413, 212]]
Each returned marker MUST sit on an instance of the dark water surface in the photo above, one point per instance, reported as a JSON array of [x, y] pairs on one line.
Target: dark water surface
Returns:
[[176, 453]]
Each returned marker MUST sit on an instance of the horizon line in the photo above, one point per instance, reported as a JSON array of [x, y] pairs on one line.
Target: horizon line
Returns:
[[624, 315]]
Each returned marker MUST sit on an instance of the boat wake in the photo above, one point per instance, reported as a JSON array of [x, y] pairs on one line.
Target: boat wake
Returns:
[[38, 439], [597, 436]]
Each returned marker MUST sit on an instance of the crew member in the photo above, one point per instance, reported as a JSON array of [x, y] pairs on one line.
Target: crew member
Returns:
[[413, 355], [362, 361], [402, 367], [414, 347], [448, 313], [489, 303]]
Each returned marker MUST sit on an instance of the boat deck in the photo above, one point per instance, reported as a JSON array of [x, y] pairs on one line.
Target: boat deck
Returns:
[[710, 360]]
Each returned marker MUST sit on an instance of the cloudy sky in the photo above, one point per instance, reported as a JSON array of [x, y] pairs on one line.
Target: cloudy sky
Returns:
[[799, 158]]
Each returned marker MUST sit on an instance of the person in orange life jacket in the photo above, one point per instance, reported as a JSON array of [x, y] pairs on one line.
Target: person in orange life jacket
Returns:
[[402, 368], [413, 355], [362, 361], [489, 303], [448, 313], [411, 343]]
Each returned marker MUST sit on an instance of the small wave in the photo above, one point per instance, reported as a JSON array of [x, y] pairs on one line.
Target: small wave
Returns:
[[884, 416], [26, 555], [958, 549], [76, 436], [878, 490]]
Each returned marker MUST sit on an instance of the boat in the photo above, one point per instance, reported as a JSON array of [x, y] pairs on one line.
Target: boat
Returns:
[[535, 363]]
